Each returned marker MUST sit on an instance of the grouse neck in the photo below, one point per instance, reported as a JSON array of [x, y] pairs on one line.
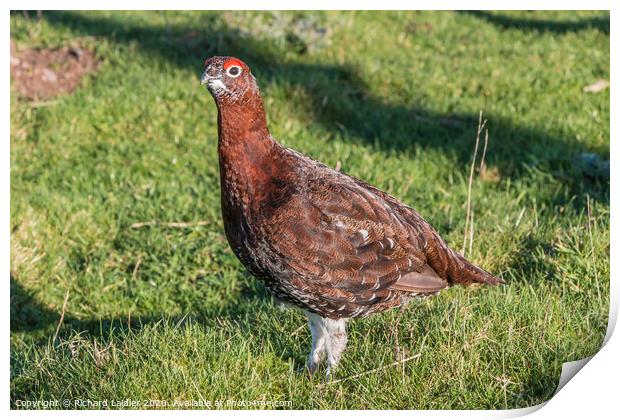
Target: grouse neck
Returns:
[[245, 148], [242, 121]]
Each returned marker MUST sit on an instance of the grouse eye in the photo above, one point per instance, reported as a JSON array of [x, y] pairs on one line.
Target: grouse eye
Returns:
[[233, 71]]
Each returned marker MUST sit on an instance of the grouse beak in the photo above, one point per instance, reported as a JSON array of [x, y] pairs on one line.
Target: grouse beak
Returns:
[[204, 79], [214, 83]]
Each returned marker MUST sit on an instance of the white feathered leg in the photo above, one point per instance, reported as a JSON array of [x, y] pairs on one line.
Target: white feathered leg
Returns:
[[327, 335], [337, 342], [319, 341]]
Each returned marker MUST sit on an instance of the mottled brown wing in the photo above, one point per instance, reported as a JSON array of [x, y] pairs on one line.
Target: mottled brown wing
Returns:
[[443, 261], [348, 245]]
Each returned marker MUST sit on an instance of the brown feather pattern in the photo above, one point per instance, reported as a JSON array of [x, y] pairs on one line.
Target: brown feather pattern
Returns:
[[318, 238]]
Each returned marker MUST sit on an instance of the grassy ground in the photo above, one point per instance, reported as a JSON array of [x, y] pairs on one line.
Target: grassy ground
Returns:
[[169, 314]]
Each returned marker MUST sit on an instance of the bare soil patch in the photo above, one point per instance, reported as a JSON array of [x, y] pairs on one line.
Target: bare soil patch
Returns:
[[40, 73]]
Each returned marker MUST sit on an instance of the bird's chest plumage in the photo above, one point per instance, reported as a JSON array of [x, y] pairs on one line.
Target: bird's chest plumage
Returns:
[[248, 238], [247, 208]]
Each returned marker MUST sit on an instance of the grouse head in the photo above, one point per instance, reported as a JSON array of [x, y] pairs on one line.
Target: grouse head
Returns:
[[229, 80]]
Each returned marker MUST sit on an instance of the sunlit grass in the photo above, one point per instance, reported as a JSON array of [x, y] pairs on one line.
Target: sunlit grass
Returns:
[[167, 313]]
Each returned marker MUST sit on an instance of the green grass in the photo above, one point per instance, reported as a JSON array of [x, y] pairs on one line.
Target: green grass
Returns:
[[170, 314]]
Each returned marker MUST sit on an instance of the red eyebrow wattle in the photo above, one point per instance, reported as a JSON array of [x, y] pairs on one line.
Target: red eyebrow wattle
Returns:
[[232, 62]]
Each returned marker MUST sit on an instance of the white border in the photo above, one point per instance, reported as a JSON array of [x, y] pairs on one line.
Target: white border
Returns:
[[593, 394]]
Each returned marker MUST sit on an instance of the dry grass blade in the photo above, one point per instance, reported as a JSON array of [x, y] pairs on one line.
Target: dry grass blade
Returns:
[[597, 86], [471, 232], [598, 289], [202, 398], [97, 354], [101, 354], [482, 166], [138, 225], [394, 333], [136, 268], [62, 316], [469, 217], [298, 330], [371, 371]]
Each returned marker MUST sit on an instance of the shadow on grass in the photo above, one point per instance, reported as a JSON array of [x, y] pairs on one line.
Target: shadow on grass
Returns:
[[531, 264], [340, 101], [503, 21], [29, 315]]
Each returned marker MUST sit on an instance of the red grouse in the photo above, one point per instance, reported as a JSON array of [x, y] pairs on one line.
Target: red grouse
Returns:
[[319, 239]]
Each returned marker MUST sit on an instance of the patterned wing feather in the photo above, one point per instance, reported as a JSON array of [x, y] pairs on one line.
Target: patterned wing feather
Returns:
[[351, 248]]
